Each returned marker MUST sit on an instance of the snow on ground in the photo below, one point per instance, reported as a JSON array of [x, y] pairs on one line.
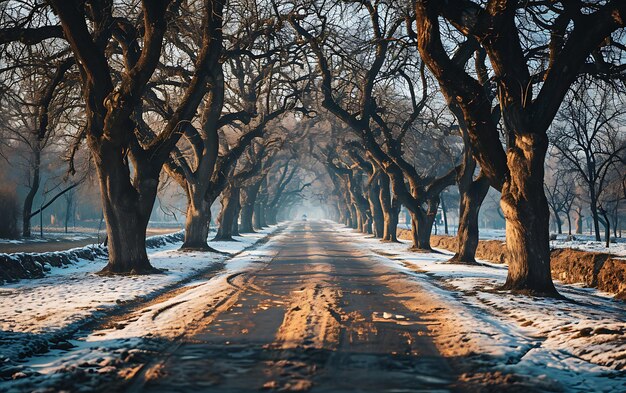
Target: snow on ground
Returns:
[[580, 341], [39, 313], [577, 344], [50, 236], [580, 241], [587, 243], [116, 349], [54, 234]]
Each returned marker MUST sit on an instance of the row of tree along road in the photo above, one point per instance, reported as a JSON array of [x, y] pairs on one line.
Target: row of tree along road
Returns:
[[361, 106]]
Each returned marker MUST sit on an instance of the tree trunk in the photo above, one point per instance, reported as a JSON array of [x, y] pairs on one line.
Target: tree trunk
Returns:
[[391, 210], [593, 206], [367, 225], [579, 221], [607, 227], [259, 215], [615, 217], [422, 225], [359, 218], [342, 215], [444, 213], [378, 221], [30, 197], [559, 223], [248, 200], [230, 199], [347, 213], [197, 223], [569, 223], [365, 219], [270, 215], [525, 207], [68, 212], [262, 218], [235, 226], [471, 200], [247, 214], [419, 235], [126, 209], [354, 218], [390, 228]]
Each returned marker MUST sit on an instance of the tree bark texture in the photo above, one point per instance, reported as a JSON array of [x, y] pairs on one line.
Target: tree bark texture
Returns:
[[248, 200], [230, 200]]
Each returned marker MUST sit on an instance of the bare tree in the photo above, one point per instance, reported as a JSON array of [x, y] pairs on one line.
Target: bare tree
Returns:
[[588, 137], [527, 113], [560, 191], [360, 108]]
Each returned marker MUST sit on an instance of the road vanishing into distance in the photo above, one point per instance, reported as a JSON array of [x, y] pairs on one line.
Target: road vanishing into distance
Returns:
[[321, 316], [313, 306]]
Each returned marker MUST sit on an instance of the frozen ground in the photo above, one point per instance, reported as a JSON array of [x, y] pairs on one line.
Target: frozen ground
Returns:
[[583, 242], [75, 233], [577, 344], [55, 238], [580, 341], [39, 314], [50, 236]]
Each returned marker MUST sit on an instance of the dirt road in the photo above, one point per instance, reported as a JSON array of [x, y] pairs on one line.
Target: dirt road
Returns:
[[320, 316]]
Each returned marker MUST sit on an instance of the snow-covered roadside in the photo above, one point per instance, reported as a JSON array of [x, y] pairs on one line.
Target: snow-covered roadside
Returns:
[[583, 242], [577, 344], [24, 265], [578, 242], [50, 237], [37, 315]]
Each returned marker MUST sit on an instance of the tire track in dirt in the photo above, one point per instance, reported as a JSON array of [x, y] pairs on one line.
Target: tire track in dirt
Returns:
[[320, 316], [226, 299]]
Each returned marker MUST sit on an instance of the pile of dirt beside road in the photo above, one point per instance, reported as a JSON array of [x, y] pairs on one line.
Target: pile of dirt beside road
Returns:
[[603, 271]]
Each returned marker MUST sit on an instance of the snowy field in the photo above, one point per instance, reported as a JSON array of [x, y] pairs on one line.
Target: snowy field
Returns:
[[582, 242], [76, 233], [580, 341], [41, 314], [51, 236]]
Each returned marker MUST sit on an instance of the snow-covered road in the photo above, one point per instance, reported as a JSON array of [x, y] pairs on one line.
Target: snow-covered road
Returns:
[[309, 289], [41, 314]]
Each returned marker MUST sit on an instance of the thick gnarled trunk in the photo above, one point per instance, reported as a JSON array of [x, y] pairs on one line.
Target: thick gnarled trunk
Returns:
[[270, 215], [363, 219], [228, 214], [390, 229], [471, 199], [197, 223], [422, 225], [248, 200], [126, 211], [391, 210], [235, 224], [419, 235], [527, 216], [259, 214], [354, 220], [378, 220]]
